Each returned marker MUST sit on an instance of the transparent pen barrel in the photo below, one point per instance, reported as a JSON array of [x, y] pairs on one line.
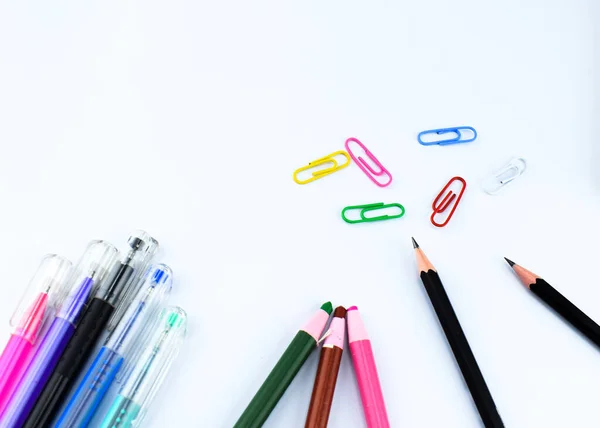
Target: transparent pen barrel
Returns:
[[91, 390], [124, 413]]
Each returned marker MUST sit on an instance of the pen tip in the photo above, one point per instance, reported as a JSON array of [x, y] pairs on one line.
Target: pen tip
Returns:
[[340, 312], [415, 245], [510, 262], [352, 308], [327, 307]]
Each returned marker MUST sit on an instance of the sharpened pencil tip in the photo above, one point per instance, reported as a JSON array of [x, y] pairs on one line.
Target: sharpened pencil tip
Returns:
[[340, 312], [509, 261], [327, 307], [415, 245]]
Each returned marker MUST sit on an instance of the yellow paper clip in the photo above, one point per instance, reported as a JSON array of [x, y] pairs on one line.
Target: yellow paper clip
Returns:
[[329, 159]]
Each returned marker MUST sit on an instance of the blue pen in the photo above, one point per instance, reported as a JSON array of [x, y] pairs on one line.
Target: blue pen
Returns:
[[119, 349]]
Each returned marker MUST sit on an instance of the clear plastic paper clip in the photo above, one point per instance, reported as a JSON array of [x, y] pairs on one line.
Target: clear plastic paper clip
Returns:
[[509, 172]]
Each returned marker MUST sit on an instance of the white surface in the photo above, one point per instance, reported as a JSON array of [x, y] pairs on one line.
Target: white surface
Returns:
[[188, 118]]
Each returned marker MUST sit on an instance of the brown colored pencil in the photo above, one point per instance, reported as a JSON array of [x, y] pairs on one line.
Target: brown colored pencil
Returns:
[[571, 313], [327, 373]]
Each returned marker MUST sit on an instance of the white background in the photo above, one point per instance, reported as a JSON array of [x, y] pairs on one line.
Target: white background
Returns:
[[188, 118]]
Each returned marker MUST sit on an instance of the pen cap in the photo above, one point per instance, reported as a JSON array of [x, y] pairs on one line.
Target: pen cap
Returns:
[[155, 361], [42, 297], [89, 274], [143, 310], [135, 256], [123, 286]]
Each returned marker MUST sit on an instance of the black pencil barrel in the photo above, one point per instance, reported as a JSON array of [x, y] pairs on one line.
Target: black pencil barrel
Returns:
[[567, 310], [461, 349]]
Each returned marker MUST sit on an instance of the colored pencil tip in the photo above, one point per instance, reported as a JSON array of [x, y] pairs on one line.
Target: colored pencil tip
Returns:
[[415, 243], [510, 262], [340, 312], [327, 307], [352, 308]]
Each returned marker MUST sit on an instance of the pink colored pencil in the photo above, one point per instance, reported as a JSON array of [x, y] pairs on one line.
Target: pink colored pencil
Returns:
[[366, 371]]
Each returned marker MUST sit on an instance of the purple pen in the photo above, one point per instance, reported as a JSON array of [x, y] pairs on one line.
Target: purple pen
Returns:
[[89, 274]]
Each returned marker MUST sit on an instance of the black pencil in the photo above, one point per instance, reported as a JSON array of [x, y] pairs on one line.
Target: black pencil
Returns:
[[458, 341], [558, 302]]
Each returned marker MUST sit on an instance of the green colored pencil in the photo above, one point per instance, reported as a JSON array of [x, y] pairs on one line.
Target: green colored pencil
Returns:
[[284, 372]]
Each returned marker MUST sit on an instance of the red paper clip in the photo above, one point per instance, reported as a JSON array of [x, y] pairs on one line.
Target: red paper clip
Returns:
[[442, 206]]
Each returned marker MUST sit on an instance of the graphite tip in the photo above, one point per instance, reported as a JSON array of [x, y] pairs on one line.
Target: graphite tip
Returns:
[[415, 245], [510, 262], [340, 312]]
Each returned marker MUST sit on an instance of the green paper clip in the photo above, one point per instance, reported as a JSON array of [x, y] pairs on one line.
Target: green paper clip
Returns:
[[372, 207]]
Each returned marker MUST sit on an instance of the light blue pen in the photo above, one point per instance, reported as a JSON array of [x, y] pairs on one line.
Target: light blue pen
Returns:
[[134, 399], [120, 348]]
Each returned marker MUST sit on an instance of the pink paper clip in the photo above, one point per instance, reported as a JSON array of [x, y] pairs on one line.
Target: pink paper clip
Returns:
[[364, 165], [439, 208]]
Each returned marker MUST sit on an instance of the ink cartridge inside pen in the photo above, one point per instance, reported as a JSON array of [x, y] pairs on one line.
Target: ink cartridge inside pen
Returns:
[[149, 372], [127, 273], [90, 275], [143, 314], [42, 298]]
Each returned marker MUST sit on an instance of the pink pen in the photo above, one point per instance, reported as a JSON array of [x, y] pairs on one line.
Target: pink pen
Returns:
[[366, 371], [38, 305]]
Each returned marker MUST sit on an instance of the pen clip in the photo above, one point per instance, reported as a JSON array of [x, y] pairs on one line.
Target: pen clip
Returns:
[[141, 319]]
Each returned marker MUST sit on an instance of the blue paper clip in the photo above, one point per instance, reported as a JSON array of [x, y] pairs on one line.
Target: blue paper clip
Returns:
[[458, 139]]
